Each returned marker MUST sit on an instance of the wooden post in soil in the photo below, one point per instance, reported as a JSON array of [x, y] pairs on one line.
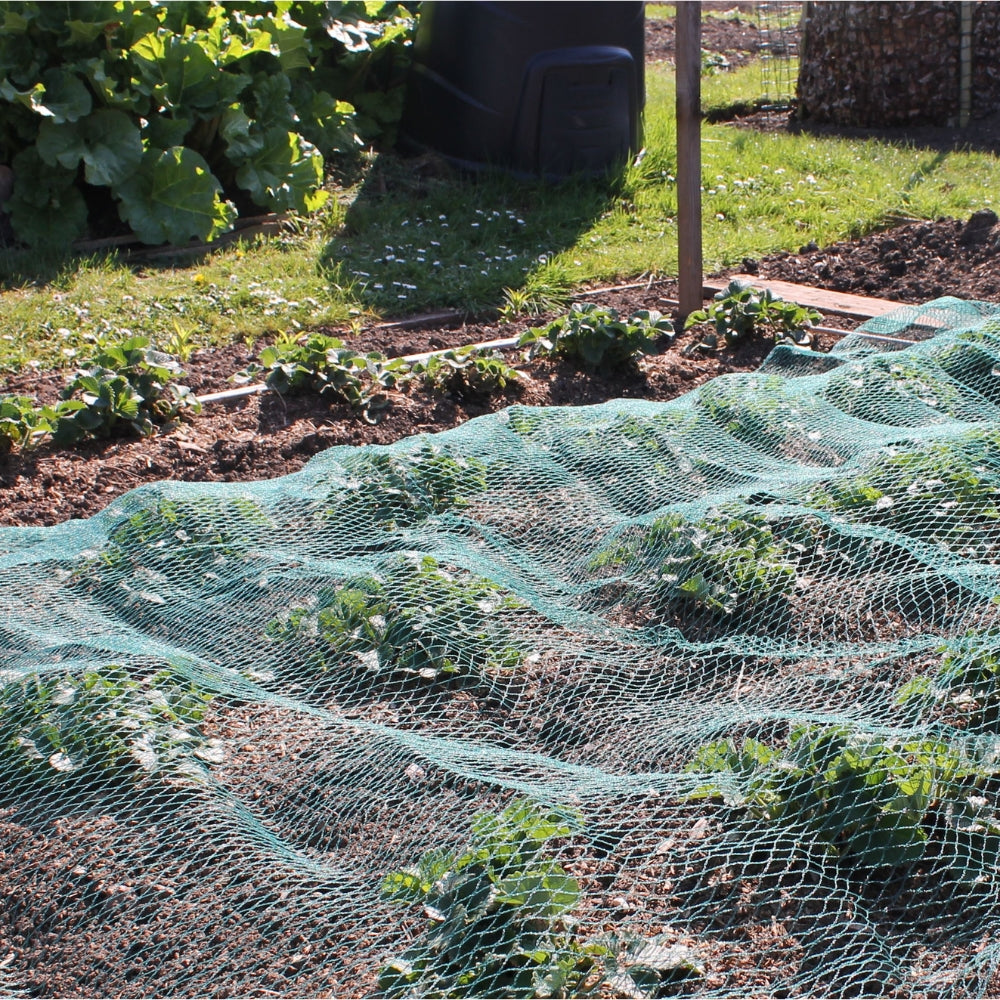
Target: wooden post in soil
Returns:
[[688, 72]]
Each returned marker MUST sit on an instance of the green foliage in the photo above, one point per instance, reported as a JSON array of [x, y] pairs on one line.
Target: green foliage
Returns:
[[101, 725], [863, 799], [178, 109], [895, 389], [24, 425], [499, 921], [596, 337], [324, 364], [418, 620], [966, 685], [176, 538], [399, 490], [124, 385], [466, 373], [758, 409], [940, 492], [173, 197], [713, 62], [730, 562], [740, 312]]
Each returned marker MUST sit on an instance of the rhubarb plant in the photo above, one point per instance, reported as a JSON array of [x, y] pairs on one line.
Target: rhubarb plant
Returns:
[[180, 111]]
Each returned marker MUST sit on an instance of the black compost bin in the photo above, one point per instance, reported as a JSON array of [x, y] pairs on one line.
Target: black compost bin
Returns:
[[536, 88]]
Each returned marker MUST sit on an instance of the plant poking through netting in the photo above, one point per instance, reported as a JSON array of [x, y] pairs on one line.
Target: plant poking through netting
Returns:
[[597, 337], [499, 921], [740, 312], [729, 562], [865, 799], [102, 725], [124, 386], [419, 621]]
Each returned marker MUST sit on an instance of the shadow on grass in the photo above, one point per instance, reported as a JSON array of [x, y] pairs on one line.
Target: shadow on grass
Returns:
[[421, 235]]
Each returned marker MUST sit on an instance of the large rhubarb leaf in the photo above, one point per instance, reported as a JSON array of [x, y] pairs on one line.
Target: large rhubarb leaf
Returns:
[[174, 198], [285, 174], [46, 210], [107, 142]]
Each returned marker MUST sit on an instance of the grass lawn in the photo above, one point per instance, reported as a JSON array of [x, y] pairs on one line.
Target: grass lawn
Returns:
[[398, 242]]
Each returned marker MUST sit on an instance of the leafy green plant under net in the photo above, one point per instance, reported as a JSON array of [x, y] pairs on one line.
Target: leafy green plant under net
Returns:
[[728, 562], [396, 491], [102, 726], [418, 620], [867, 800], [500, 922]]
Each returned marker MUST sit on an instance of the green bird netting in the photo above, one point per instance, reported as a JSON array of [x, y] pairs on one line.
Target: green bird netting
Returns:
[[640, 699]]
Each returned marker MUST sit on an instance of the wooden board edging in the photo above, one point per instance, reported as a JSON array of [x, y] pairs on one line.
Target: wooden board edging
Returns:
[[840, 303]]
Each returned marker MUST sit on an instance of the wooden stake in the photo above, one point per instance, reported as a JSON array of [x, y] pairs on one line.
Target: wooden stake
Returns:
[[688, 61]]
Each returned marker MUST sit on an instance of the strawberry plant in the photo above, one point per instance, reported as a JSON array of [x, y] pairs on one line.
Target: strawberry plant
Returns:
[[399, 490], [191, 536], [943, 492], [970, 359], [596, 336], [466, 373], [863, 799], [965, 687], [740, 312], [327, 366], [24, 425], [102, 725], [728, 563], [418, 621], [897, 389], [127, 385], [498, 921], [757, 410]]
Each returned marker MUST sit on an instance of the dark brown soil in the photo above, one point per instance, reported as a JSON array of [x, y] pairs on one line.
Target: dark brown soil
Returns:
[[737, 37]]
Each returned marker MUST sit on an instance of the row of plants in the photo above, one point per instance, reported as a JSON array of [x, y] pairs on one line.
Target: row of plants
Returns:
[[739, 560], [498, 915], [132, 387], [128, 386], [176, 115]]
